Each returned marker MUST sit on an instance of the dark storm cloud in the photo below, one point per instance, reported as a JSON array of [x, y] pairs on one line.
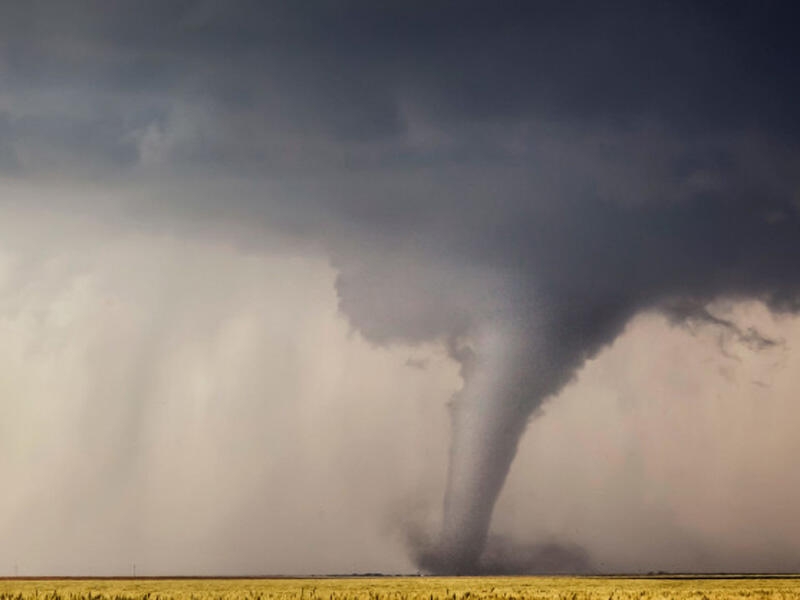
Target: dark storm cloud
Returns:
[[344, 71], [8, 158], [517, 178]]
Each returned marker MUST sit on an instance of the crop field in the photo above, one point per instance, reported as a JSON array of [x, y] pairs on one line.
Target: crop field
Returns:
[[401, 588]]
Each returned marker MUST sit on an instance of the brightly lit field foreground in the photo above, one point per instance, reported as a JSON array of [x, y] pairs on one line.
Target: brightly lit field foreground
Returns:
[[405, 588]]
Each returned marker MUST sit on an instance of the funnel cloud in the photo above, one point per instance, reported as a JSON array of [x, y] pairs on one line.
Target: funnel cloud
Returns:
[[514, 183]]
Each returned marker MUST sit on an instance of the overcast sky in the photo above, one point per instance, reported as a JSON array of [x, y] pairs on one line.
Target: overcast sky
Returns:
[[313, 287]]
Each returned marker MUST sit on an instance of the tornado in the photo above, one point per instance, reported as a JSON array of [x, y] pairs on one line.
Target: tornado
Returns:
[[487, 419], [509, 368]]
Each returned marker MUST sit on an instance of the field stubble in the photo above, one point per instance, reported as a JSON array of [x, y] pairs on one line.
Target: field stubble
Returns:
[[401, 588]]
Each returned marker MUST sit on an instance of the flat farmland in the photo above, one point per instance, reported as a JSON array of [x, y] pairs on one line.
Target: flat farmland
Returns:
[[402, 588]]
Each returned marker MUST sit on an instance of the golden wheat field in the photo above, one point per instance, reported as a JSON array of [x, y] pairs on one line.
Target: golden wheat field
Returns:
[[400, 588]]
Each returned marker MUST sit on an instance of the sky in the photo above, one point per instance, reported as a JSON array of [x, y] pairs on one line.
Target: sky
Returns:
[[447, 287]]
